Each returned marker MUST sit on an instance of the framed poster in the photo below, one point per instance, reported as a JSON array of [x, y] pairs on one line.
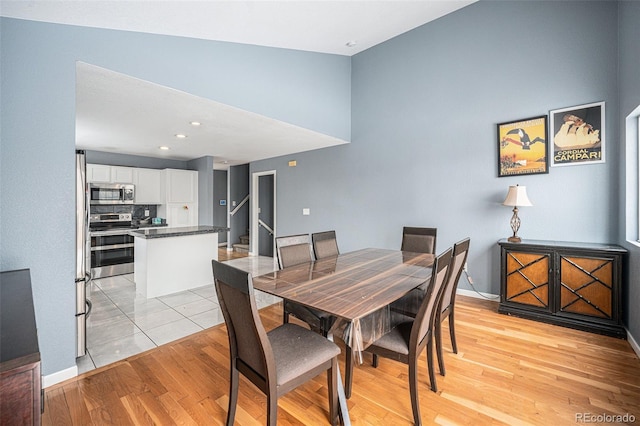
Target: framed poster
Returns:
[[522, 147], [578, 135]]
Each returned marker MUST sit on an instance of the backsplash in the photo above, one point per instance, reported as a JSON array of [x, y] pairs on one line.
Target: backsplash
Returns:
[[137, 211]]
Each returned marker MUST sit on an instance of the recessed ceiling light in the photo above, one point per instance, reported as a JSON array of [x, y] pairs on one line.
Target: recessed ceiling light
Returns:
[[351, 43], [181, 136], [164, 148], [195, 123]]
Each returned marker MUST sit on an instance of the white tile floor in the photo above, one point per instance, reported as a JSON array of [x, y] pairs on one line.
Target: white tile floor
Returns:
[[123, 323]]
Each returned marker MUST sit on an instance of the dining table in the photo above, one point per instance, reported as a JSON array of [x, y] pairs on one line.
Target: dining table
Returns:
[[364, 290]]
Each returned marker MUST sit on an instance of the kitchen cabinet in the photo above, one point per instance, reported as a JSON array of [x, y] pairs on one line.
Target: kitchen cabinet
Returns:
[[101, 173], [577, 285], [121, 174], [181, 186], [180, 207], [21, 397], [148, 186], [98, 173]]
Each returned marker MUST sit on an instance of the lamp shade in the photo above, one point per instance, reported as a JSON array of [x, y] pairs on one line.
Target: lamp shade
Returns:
[[517, 196]]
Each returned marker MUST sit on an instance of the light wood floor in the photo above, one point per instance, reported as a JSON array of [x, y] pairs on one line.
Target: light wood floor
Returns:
[[508, 371]]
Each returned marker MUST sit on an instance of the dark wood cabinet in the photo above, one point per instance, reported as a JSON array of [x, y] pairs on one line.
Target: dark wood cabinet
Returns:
[[575, 285], [20, 378]]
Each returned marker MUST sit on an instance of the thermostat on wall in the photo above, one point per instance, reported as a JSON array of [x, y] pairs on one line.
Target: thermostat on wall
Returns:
[[223, 202]]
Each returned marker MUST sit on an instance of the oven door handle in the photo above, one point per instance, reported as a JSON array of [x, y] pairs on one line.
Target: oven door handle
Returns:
[[112, 247]]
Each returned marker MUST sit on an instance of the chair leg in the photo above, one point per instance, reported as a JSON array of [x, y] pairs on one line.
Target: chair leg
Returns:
[[375, 361], [332, 384], [413, 390], [452, 332], [272, 409], [432, 375], [348, 374], [285, 316], [233, 395], [438, 336]]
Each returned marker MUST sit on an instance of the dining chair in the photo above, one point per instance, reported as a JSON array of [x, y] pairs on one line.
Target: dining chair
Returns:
[[295, 250], [447, 303], [325, 244], [277, 361], [410, 336], [292, 250], [419, 240]]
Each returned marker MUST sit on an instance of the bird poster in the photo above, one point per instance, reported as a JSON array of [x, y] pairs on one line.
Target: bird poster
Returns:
[[577, 135], [522, 147]]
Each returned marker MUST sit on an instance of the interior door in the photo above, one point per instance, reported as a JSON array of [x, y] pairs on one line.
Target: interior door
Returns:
[[263, 213]]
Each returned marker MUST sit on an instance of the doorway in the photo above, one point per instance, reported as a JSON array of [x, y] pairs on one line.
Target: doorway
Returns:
[[263, 213]]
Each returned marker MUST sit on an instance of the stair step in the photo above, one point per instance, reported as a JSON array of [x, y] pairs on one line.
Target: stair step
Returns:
[[241, 248], [244, 239]]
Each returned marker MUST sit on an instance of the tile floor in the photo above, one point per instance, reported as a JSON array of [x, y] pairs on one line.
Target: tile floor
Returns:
[[123, 323]]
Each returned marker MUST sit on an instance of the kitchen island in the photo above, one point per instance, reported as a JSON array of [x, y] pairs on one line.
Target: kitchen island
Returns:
[[170, 260]]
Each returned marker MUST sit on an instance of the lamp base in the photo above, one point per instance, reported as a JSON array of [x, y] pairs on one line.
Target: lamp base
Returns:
[[514, 239]]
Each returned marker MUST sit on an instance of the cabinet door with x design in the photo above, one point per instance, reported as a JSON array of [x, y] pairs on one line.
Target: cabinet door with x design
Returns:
[[571, 284]]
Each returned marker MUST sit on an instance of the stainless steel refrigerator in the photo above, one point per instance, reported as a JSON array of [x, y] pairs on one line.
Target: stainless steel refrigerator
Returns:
[[83, 267]]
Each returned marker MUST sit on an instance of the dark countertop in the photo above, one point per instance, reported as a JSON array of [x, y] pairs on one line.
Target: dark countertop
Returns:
[[151, 233]]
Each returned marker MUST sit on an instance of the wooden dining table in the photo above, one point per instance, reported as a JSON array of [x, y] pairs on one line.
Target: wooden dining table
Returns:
[[357, 288]]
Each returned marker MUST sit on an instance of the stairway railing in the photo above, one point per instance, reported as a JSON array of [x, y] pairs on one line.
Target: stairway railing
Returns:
[[242, 203], [265, 226]]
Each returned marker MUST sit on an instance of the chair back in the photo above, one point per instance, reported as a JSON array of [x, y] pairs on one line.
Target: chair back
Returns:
[[419, 240], [325, 244], [294, 250], [459, 258], [248, 341], [425, 318]]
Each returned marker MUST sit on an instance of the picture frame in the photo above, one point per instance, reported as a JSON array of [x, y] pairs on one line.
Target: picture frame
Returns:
[[523, 147], [577, 135]]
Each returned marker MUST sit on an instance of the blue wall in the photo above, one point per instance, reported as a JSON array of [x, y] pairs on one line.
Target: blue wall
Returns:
[[423, 146], [37, 117], [629, 66]]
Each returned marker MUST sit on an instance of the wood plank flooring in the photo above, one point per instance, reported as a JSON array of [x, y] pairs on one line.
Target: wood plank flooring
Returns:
[[508, 371]]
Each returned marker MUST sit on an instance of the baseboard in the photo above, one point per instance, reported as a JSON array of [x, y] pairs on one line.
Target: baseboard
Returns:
[[633, 343], [478, 294], [60, 376]]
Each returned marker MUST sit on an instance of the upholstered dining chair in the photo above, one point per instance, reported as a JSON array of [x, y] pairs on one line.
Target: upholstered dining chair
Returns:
[[325, 244], [277, 361], [447, 303], [409, 338], [294, 250], [419, 240]]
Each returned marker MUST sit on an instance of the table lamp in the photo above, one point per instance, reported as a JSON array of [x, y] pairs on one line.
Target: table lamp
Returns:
[[517, 196]]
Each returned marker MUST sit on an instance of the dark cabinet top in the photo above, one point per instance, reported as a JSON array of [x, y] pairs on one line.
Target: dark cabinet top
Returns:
[[19, 336], [555, 245]]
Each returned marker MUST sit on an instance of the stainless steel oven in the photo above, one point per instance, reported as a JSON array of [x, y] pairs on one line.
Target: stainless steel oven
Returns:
[[111, 246]]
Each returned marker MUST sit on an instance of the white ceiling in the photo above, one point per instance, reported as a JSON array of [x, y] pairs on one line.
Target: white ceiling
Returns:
[[114, 110]]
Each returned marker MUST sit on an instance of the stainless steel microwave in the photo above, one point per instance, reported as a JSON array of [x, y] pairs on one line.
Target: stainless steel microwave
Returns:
[[111, 193]]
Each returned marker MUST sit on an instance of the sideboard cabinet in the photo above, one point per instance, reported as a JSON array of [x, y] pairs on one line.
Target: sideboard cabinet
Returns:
[[21, 398], [575, 285]]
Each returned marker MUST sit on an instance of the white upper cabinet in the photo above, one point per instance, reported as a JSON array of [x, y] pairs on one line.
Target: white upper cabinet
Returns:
[[121, 174], [181, 186], [100, 173], [148, 183]]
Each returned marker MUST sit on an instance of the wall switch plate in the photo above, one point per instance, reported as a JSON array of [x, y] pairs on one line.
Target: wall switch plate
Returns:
[[146, 212], [306, 212]]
